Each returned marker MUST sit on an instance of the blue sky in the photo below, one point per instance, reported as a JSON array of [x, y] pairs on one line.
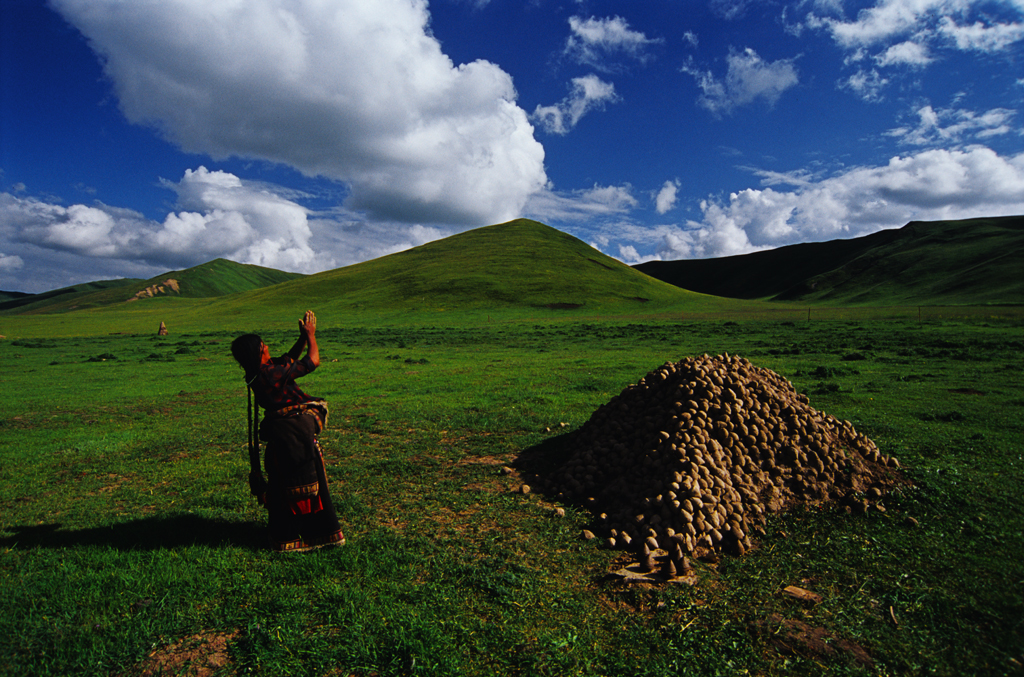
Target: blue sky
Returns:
[[304, 135]]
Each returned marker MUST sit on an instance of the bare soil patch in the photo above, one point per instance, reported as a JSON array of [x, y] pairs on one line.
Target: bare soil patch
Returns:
[[200, 655], [791, 637]]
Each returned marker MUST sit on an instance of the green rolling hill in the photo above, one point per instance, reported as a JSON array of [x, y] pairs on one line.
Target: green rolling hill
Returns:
[[60, 299], [970, 262], [211, 279], [515, 265], [6, 296]]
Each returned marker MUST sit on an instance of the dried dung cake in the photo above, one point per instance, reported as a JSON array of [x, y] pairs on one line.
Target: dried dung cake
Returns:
[[693, 457]]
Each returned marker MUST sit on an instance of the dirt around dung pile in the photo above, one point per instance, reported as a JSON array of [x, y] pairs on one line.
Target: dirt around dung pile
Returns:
[[791, 637], [201, 655], [691, 460]]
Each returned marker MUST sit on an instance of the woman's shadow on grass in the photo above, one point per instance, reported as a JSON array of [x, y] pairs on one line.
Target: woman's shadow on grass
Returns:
[[149, 533]]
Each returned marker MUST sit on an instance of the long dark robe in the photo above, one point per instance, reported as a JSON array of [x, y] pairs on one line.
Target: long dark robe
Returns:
[[301, 513]]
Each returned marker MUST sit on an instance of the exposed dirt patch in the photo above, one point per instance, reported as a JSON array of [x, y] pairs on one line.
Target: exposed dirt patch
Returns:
[[563, 306], [465, 522], [201, 655], [494, 487], [966, 391], [791, 637], [20, 422], [483, 460], [114, 482], [503, 478]]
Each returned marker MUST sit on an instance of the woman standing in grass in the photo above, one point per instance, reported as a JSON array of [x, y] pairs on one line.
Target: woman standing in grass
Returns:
[[301, 514]]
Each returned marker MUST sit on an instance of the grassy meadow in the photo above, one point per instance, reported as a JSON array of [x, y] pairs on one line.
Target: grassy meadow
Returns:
[[129, 544]]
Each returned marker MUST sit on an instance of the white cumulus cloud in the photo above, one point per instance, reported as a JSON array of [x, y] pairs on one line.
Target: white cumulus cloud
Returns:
[[217, 215], [588, 93], [220, 216], [885, 20], [952, 125], [594, 41], [10, 263], [729, 9], [979, 37], [928, 186], [868, 85], [906, 54], [359, 92], [580, 205], [223, 216], [747, 79], [665, 200], [913, 32]]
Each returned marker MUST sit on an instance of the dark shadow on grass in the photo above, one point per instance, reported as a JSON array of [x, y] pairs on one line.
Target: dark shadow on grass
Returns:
[[150, 533], [539, 463]]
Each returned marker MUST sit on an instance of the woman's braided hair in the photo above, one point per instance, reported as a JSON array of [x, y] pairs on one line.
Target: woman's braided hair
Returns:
[[246, 350]]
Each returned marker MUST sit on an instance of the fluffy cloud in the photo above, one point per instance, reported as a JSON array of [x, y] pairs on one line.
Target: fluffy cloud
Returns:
[[217, 215], [949, 125], [581, 205], [905, 54], [748, 78], [893, 19], [10, 263], [588, 93], [979, 37], [666, 197], [930, 185], [593, 41], [868, 85], [351, 241], [729, 9], [883, 21], [359, 92], [220, 217], [223, 216], [909, 32]]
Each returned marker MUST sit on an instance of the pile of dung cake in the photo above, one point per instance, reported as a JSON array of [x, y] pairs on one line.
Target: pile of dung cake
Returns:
[[692, 458]]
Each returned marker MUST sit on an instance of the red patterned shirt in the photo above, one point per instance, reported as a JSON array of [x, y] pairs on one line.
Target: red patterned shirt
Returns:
[[275, 386]]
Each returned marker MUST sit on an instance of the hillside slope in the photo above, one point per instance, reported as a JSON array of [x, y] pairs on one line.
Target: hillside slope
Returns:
[[6, 296], [215, 278], [975, 261], [64, 297], [521, 263]]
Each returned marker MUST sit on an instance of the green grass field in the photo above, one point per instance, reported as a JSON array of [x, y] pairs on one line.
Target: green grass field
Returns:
[[129, 544]]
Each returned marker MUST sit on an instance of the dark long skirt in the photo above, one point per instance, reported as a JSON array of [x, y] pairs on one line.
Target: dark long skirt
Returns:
[[301, 513]]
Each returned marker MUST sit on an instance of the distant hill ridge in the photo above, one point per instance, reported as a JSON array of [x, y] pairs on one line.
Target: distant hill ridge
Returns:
[[215, 278], [974, 261], [59, 298], [526, 264]]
